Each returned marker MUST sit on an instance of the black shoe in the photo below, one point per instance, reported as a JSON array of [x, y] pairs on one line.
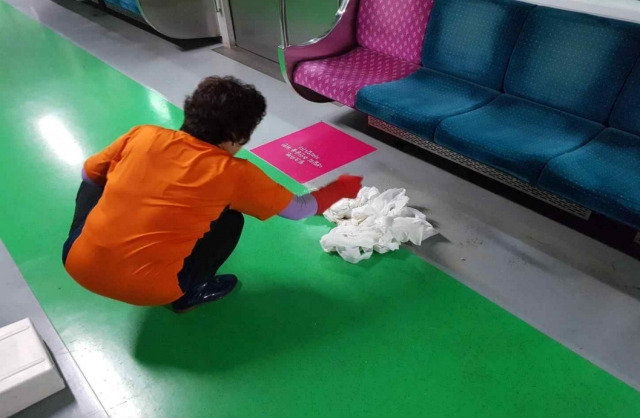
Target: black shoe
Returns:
[[214, 289]]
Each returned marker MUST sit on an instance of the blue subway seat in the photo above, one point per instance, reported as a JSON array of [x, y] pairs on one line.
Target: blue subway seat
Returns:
[[515, 135], [419, 102], [603, 175]]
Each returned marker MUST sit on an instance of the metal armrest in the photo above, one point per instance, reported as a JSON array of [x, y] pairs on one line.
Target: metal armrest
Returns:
[[338, 40]]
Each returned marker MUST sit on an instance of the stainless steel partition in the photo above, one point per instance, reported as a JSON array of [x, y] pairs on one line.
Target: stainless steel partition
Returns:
[[182, 19], [256, 23], [179, 19]]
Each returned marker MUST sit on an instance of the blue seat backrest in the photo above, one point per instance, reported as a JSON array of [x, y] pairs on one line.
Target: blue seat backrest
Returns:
[[572, 61], [473, 39], [626, 112]]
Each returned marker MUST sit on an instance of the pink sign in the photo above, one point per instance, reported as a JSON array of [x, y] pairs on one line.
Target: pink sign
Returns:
[[312, 152]]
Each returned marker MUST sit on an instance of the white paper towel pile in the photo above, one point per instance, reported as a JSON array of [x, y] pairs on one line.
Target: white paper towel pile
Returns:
[[374, 221]]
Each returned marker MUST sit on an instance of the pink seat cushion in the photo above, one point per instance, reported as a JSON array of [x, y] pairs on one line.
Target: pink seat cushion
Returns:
[[340, 78], [394, 27]]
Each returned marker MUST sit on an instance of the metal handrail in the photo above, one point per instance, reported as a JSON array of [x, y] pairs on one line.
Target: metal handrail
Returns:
[[337, 40], [284, 24]]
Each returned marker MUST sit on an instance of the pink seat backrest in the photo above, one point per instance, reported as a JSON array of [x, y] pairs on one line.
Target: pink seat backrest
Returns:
[[394, 27]]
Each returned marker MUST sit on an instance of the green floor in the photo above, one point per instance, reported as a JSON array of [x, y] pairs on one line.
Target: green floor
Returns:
[[307, 335]]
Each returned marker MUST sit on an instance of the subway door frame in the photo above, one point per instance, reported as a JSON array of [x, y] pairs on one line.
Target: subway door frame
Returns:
[[225, 22]]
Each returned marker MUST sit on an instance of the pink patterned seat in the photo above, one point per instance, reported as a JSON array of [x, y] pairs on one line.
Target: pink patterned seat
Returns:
[[394, 27], [390, 35], [341, 77]]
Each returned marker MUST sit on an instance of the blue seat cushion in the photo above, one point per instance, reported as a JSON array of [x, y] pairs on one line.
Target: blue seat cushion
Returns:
[[626, 113], [572, 61], [473, 39], [419, 102], [515, 135], [603, 175]]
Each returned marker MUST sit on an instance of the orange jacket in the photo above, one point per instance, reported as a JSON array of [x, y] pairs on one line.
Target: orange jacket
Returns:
[[163, 188]]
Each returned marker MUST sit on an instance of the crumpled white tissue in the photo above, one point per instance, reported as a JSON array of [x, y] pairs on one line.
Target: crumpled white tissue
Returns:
[[374, 221]]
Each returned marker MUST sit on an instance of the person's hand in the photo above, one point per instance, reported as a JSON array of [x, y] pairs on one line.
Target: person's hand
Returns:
[[346, 186]]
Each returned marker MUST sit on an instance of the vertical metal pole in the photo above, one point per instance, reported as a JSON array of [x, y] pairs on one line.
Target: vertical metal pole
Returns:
[[284, 26]]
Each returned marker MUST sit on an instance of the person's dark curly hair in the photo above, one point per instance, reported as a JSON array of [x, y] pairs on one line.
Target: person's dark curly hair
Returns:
[[223, 109]]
